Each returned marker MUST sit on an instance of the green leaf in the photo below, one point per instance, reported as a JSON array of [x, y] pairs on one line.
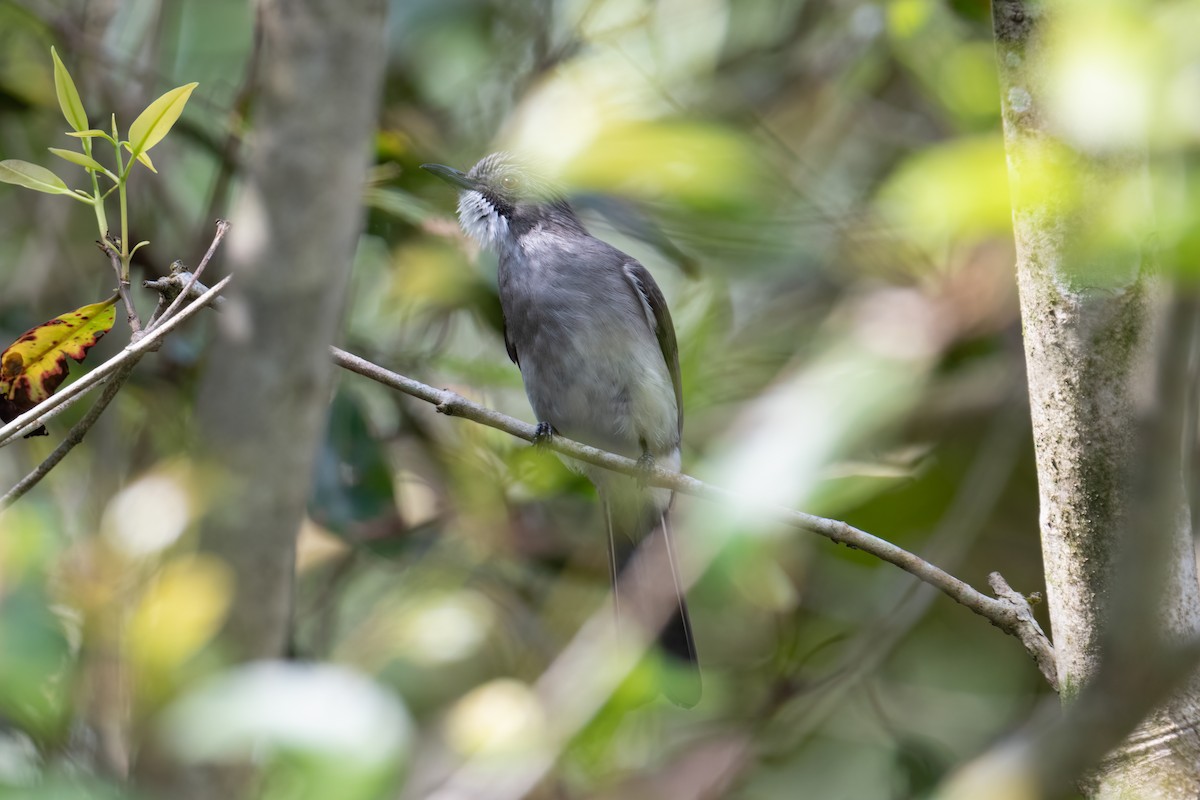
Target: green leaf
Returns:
[[31, 176], [154, 123], [91, 134], [142, 157], [68, 95], [82, 159]]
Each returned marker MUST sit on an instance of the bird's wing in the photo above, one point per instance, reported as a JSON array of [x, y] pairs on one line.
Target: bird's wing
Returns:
[[659, 319], [509, 346]]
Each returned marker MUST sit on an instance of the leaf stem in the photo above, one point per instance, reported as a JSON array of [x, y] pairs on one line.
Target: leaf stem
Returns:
[[124, 234], [101, 217], [122, 177]]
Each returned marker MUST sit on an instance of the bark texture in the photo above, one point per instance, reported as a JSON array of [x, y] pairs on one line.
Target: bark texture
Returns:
[[265, 392], [1093, 345]]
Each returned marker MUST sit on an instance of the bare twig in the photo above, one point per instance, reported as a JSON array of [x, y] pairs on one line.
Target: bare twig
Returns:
[[43, 410], [1010, 614], [1027, 628], [157, 319], [131, 315], [170, 287]]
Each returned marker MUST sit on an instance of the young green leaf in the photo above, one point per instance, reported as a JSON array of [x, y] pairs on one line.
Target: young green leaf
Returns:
[[154, 123], [68, 95], [92, 134], [82, 159], [31, 176], [142, 157]]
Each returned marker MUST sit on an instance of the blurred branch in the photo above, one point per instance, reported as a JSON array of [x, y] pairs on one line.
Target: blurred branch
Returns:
[[1010, 612]]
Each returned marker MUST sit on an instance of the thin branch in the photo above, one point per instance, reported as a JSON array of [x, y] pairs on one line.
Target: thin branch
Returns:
[[1026, 628], [74, 436], [125, 362], [804, 705], [43, 410], [1010, 613], [572, 689], [157, 319], [131, 315]]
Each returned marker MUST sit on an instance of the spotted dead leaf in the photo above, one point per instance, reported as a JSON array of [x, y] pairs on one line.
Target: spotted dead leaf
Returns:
[[36, 363]]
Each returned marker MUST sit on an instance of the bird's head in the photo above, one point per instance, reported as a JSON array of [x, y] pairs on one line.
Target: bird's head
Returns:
[[500, 199]]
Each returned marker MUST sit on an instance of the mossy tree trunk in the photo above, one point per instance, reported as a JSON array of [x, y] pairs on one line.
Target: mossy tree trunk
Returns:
[[1092, 311]]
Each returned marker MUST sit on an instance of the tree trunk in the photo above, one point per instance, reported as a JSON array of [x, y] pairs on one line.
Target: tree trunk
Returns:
[[264, 397], [265, 393], [1091, 317]]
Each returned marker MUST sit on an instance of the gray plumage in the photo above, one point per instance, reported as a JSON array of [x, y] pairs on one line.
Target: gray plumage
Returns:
[[590, 330]]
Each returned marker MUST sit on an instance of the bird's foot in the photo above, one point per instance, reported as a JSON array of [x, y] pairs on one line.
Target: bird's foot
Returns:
[[542, 434], [645, 465]]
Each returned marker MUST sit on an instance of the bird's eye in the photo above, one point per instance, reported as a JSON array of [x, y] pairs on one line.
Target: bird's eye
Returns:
[[510, 182]]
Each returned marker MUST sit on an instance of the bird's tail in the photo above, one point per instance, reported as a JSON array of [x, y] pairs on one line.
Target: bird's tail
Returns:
[[641, 559]]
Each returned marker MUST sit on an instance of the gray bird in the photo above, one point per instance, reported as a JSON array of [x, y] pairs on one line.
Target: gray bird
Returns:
[[590, 331]]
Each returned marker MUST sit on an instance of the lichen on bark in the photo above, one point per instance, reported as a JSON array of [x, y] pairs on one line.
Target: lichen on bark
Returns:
[[1092, 308]]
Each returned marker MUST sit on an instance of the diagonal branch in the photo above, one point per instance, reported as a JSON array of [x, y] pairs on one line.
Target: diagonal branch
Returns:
[[131, 315], [193, 283], [1010, 612], [124, 363]]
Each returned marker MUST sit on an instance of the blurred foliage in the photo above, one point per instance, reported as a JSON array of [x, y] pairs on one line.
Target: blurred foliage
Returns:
[[820, 188]]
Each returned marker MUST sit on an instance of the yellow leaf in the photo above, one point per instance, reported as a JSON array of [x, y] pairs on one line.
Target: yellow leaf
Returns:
[[36, 363]]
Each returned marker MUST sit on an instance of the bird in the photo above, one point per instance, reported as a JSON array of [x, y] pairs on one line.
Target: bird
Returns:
[[590, 331]]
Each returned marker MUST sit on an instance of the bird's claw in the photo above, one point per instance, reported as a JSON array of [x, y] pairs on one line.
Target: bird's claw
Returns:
[[542, 434], [645, 465]]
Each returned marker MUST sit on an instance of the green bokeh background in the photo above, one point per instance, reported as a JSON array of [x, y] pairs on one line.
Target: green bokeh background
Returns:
[[820, 189]]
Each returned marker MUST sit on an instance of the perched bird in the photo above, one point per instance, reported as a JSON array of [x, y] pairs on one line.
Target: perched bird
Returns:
[[590, 331]]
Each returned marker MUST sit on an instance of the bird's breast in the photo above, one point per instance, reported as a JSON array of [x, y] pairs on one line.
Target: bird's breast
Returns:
[[590, 364]]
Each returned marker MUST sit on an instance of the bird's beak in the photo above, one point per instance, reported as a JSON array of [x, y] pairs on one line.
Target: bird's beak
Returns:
[[451, 175]]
